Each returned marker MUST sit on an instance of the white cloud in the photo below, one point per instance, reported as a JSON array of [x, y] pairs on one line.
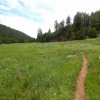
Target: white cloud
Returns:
[[2, 7], [12, 3], [43, 12]]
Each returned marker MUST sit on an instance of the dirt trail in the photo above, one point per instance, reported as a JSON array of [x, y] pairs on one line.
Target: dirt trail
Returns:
[[80, 87]]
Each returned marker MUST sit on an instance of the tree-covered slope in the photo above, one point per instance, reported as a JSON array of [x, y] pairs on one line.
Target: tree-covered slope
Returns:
[[9, 35]]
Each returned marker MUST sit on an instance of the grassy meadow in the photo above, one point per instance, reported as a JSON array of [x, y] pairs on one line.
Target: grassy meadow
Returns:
[[48, 71]]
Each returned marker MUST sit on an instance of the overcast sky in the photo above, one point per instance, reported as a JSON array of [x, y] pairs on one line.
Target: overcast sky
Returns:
[[28, 15]]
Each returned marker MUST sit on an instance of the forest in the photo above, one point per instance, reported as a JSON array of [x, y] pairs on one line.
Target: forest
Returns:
[[83, 26], [9, 35]]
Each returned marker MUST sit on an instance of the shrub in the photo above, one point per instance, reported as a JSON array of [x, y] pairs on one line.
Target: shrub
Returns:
[[79, 35], [92, 33]]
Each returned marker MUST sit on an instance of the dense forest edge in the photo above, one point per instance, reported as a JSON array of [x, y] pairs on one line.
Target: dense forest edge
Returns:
[[84, 26], [9, 35]]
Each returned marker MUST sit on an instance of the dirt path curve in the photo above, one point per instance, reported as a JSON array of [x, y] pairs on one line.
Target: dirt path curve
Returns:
[[80, 87]]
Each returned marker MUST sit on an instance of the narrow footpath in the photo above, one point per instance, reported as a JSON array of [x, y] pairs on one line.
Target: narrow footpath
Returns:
[[80, 86]]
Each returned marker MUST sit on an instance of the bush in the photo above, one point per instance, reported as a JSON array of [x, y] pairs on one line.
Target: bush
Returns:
[[79, 35], [92, 33]]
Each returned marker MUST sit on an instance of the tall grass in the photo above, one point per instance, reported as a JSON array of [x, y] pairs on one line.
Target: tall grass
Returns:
[[47, 71]]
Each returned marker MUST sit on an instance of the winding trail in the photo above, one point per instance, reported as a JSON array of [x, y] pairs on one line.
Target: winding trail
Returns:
[[80, 87]]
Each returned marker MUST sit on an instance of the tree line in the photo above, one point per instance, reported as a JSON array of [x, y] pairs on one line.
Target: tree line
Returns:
[[83, 26]]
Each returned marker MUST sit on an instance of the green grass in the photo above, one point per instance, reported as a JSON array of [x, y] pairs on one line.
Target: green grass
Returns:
[[93, 77], [48, 71]]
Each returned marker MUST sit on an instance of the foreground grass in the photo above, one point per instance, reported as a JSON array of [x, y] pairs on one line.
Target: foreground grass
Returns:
[[38, 71], [93, 77], [47, 71]]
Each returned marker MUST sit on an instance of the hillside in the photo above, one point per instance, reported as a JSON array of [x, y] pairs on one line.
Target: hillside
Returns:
[[9, 35]]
